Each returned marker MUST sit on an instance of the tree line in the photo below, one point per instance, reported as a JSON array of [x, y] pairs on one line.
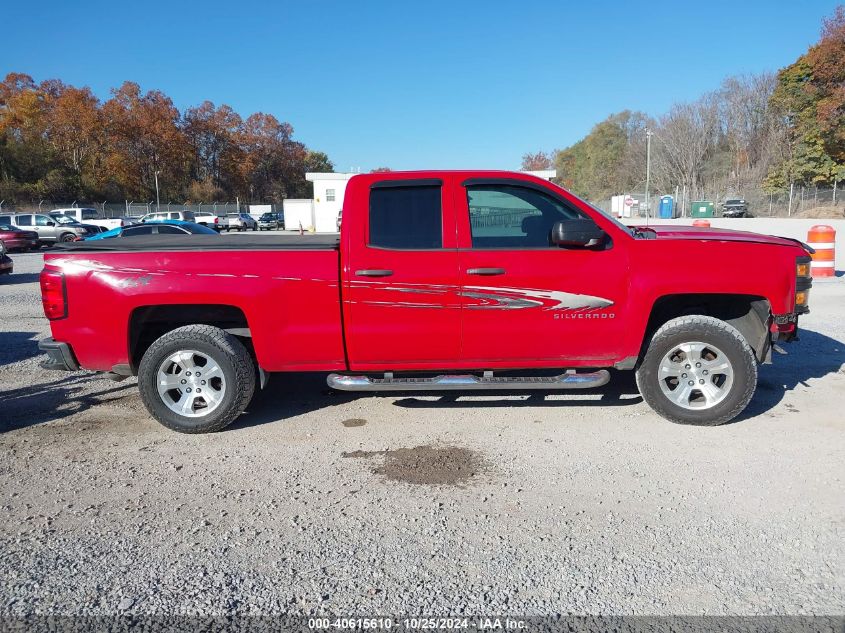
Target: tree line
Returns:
[[61, 143], [767, 132]]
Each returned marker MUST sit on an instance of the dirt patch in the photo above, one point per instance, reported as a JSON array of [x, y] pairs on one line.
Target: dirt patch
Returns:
[[353, 422], [427, 465], [821, 213]]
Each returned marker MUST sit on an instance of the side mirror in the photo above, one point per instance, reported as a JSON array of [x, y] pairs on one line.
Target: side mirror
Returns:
[[580, 232], [51, 224]]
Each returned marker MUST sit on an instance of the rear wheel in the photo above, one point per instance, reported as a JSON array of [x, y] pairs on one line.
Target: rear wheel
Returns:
[[196, 379], [698, 370]]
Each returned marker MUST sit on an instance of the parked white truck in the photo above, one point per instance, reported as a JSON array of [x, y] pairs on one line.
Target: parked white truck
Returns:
[[89, 215]]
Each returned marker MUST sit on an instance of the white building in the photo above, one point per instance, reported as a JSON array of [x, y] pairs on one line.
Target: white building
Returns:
[[320, 214]]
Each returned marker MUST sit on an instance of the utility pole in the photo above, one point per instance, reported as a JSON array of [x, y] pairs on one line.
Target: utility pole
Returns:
[[157, 172], [648, 134]]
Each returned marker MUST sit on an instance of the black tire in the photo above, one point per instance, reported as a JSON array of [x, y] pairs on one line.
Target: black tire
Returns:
[[707, 330], [67, 237], [226, 350]]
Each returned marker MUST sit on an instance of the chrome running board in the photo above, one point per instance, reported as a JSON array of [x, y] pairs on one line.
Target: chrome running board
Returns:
[[469, 382]]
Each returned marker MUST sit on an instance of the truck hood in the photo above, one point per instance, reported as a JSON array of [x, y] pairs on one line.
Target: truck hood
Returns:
[[674, 232]]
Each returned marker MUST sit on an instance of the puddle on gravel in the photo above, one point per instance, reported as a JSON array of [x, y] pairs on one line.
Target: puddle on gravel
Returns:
[[428, 465], [353, 422]]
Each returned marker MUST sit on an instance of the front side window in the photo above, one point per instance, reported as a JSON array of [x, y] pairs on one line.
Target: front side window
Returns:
[[329, 195], [511, 216], [138, 230], [408, 217]]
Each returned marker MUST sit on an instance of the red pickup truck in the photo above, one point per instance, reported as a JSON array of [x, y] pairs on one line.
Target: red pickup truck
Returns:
[[457, 280]]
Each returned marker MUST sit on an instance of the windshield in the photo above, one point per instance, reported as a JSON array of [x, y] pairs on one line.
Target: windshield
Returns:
[[267, 216], [734, 201], [63, 219]]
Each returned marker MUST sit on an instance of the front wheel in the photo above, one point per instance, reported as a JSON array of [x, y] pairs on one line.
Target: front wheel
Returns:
[[698, 370], [196, 379], [67, 237]]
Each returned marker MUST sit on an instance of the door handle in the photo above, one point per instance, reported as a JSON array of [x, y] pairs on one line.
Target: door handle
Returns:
[[486, 272], [374, 272]]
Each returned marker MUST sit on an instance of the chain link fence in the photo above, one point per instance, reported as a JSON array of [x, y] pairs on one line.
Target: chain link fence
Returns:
[[801, 201]]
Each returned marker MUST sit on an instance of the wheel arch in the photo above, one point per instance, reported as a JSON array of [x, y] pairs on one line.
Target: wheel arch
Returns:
[[748, 313], [148, 323]]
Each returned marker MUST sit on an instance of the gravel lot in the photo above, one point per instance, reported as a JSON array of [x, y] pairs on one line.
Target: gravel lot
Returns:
[[324, 503]]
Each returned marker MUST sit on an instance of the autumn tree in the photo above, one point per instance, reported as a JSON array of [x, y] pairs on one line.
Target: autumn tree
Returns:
[[144, 136], [537, 161], [809, 98]]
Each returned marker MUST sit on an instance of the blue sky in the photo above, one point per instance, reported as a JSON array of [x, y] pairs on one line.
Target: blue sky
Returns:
[[414, 85]]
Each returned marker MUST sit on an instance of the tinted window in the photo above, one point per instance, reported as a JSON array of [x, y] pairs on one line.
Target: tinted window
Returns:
[[406, 217], [5, 219], [24, 220], [138, 230], [89, 214], [510, 216], [164, 228]]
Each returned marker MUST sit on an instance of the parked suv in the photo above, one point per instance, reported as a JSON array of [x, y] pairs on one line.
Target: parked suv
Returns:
[[269, 221], [49, 231], [735, 208], [240, 222], [185, 216]]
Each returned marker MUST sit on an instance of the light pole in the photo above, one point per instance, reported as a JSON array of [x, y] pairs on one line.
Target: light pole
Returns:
[[157, 172], [647, 170]]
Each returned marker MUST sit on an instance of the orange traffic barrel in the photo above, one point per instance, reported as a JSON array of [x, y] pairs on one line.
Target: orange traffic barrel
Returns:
[[823, 239], [704, 223]]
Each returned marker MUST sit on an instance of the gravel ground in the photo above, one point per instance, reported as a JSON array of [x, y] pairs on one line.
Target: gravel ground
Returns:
[[324, 503]]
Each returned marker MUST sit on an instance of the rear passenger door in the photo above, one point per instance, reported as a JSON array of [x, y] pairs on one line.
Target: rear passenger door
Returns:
[[401, 306]]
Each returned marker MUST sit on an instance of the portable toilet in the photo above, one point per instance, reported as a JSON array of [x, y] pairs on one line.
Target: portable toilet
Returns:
[[667, 207], [702, 209]]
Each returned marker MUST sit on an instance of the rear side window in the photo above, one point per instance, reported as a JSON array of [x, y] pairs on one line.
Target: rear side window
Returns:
[[89, 214], [6, 219], [406, 217], [24, 220]]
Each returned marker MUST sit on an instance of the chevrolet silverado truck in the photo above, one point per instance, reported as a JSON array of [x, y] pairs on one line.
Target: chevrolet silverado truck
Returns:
[[459, 280]]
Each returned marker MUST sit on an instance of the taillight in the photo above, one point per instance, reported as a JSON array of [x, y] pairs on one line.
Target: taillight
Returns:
[[53, 294]]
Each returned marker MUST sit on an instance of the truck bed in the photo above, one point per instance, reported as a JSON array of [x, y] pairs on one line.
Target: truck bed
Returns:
[[161, 243]]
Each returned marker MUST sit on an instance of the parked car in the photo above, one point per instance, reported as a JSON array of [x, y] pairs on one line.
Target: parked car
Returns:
[[156, 227], [735, 208], [17, 239], [49, 231], [6, 264], [88, 215], [65, 220], [185, 216], [240, 222], [271, 221], [560, 290], [207, 218]]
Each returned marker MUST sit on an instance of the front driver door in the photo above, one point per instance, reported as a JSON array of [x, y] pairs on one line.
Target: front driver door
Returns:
[[526, 301]]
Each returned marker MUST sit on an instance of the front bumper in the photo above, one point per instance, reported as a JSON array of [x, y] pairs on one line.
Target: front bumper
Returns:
[[59, 355]]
